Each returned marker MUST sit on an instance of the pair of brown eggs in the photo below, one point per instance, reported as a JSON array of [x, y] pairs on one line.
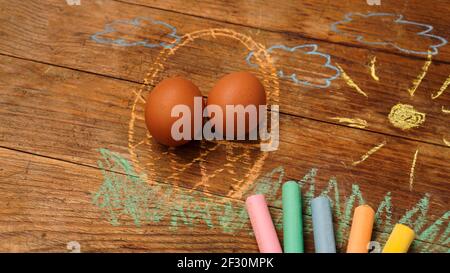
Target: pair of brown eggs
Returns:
[[238, 88]]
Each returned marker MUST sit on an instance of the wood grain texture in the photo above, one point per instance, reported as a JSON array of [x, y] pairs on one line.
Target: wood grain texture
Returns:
[[66, 99], [132, 63], [309, 19], [46, 204], [81, 125]]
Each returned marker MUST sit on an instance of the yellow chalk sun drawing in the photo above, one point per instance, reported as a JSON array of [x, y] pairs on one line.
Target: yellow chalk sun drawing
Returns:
[[405, 117], [402, 116]]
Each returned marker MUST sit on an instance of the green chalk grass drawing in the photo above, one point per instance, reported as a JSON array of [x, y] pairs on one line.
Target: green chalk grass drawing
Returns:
[[126, 195]]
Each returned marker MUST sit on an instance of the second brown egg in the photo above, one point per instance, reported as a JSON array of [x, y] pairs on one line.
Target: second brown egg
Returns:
[[238, 88]]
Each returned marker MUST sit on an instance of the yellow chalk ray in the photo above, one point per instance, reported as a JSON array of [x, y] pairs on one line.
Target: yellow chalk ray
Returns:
[[442, 89], [416, 82], [372, 68], [369, 153], [350, 82], [357, 122], [411, 173], [445, 111], [446, 142]]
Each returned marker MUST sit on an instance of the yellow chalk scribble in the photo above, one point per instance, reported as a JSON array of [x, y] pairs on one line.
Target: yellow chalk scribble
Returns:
[[445, 111], [405, 117], [357, 122], [420, 77], [442, 89], [411, 173], [446, 142], [350, 82], [369, 153], [372, 68]]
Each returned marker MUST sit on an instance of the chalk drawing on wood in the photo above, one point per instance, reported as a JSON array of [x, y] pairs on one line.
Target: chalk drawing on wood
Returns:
[[442, 89], [349, 81], [126, 32], [145, 170], [372, 68], [386, 34], [369, 153], [290, 61], [352, 122], [411, 172], [149, 157], [125, 195], [401, 116], [446, 142], [421, 76], [405, 117]]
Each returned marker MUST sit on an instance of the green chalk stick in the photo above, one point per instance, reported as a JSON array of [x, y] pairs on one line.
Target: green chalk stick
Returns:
[[292, 218]]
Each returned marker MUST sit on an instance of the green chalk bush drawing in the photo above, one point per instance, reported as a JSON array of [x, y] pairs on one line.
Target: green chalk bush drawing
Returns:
[[126, 195]]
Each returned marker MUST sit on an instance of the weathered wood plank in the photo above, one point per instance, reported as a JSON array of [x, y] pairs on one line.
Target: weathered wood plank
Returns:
[[313, 18], [83, 118], [75, 169], [64, 31], [47, 204]]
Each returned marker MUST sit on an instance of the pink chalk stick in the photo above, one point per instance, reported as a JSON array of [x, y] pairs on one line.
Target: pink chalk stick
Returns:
[[265, 233]]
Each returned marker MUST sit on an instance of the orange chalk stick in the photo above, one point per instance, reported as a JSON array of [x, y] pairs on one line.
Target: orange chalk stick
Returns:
[[361, 230]]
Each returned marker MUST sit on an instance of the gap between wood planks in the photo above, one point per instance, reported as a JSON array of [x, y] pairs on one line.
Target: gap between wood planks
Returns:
[[281, 112], [294, 34], [180, 187]]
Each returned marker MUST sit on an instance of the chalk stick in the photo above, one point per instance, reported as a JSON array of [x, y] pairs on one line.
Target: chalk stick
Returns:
[[361, 230], [265, 233], [399, 240], [323, 225], [292, 218]]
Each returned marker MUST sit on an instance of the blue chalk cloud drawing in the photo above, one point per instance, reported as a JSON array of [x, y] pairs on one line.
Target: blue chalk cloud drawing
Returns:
[[100, 37], [311, 49], [396, 19]]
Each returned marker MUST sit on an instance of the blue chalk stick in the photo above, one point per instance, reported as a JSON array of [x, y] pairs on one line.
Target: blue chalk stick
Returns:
[[323, 225]]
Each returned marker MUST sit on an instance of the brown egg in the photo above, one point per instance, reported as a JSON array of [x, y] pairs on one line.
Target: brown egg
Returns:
[[238, 88], [161, 100]]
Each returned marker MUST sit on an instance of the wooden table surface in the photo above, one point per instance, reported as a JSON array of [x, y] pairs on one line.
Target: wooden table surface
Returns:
[[364, 118]]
